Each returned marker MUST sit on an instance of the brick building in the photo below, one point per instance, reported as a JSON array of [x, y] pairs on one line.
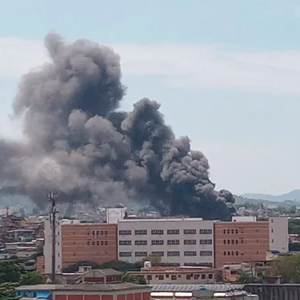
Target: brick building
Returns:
[[118, 291], [77, 241]]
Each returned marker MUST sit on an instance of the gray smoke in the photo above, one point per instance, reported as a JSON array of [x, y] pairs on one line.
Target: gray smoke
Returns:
[[79, 144]]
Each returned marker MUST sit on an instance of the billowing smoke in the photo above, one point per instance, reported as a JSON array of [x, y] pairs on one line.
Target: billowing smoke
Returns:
[[79, 144]]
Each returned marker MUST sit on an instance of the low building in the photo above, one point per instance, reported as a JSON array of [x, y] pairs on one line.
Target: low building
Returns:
[[118, 291], [180, 275]]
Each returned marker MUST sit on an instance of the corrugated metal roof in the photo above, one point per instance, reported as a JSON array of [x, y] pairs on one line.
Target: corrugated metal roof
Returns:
[[192, 287]]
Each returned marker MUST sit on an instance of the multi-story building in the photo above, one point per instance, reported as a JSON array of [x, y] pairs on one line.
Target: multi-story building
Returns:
[[185, 241], [245, 240], [77, 241]]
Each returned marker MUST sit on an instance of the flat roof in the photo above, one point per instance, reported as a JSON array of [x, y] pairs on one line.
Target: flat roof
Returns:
[[82, 287], [163, 220]]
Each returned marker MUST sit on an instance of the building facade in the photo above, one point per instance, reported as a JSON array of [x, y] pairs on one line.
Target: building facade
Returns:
[[77, 241], [237, 242], [185, 241], [278, 231]]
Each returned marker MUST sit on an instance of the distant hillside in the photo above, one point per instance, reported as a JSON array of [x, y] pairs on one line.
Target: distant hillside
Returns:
[[242, 200], [293, 195], [16, 201]]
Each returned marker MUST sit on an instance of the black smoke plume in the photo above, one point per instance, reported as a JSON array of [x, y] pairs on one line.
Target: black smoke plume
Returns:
[[78, 143]]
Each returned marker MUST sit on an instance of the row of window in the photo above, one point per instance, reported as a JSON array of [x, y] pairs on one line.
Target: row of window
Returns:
[[234, 253], [188, 277], [161, 231], [97, 232], [162, 253], [231, 242], [235, 231], [162, 242], [98, 243]]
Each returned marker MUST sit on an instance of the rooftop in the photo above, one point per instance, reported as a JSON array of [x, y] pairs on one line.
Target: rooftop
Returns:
[[82, 287], [162, 219]]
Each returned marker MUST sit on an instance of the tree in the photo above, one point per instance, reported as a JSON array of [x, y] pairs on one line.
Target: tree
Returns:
[[154, 259], [32, 278], [7, 291], [9, 271], [287, 267], [135, 279], [244, 278]]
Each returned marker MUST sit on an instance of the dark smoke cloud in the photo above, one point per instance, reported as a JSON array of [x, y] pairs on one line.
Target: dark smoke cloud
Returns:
[[78, 143]]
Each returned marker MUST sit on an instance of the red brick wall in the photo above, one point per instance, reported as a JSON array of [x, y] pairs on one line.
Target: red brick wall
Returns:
[[94, 279], [93, 242], [75, 297], [237, 242], [92, 297], [60, 297], [146, 296]]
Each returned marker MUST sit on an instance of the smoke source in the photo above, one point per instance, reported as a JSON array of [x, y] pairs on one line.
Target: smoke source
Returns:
[[79, 144]]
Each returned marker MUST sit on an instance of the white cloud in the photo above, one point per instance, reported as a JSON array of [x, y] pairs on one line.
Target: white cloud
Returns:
[[182, 65]]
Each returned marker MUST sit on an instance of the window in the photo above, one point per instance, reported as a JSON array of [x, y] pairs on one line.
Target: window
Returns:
[[189, 231], [101, 243], [157, 231], [124, 243], [228, 253], [97, 243], [190, 242], [272, 230], [173, 277], [190, 253], [232, 253], [124, 232], [88, 243], [97, 232], [173, 253], [161, 277], [149, 277], [140, 232], [157, 242], [173, 231], [237, 253], [140, 242], [173, 242], [158, 253], [228, 241], [93, 232], [205, 253], [205, 242], [205, 231], [228, 231], [210, 276], [141, 253], [236, 241], [224, 231], [272, 240], [101, 232], [232, 241], [105, 243], [203, 276], [88, 233], [236, 231], [188, 277], [271, 220], [125, 254], [232, 231], [105, 232], [224, 242], [224, 253]]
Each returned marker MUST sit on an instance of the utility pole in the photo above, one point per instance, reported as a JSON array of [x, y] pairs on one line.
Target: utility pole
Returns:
[[53, 212]]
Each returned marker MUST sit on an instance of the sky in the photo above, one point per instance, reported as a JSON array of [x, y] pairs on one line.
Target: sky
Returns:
[[227, 74]]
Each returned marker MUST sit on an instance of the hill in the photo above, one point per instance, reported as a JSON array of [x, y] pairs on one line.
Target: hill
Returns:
[[293, 195]]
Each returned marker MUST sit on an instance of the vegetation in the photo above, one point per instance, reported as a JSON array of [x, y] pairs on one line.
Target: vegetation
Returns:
[[12, 275], [294, 226], [154, 259], [245, 278], [287, 267], [118, 265], [135, 279]]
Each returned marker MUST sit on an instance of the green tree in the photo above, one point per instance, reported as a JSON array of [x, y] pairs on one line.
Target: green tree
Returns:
[[135, 279], [7, 291], [287, 267], [32, 278], [245, 278], [10, 271]]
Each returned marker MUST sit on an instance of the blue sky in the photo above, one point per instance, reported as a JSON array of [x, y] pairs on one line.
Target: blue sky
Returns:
[[227, 73]]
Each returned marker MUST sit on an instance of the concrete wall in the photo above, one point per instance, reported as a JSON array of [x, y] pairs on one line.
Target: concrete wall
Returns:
[[181, 241], [279, 238]]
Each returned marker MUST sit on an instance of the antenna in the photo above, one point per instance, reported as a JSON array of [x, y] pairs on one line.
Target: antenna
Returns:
[[53, 211]]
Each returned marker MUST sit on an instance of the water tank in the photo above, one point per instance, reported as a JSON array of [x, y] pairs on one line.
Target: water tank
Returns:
[[147, 264]]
